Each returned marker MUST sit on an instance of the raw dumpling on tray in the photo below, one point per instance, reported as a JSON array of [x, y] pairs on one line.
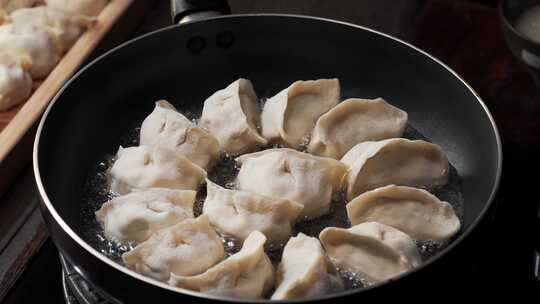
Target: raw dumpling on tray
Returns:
[[187, 248], [65, 28], [40, 35], [167, 128], [289, 174], [289, 117], [238, 213], [33, 42], [13, 5], [232, 115], [15, 81]]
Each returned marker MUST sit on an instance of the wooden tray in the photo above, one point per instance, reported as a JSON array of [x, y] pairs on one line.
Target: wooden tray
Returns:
[[17, 126]]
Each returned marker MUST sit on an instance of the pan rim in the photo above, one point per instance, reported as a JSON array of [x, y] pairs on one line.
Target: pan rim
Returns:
[[73, 235]]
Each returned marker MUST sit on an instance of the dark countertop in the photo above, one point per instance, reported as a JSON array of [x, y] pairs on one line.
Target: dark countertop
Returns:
[[468, 38]]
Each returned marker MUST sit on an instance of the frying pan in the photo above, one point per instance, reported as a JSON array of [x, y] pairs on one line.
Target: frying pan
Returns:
[[186, 63]]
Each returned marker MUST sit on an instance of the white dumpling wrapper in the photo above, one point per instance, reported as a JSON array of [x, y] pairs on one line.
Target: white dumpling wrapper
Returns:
[[135, 216], [373, 251], [146, 167], [65, 28], [89, 8], [397, 161], [12, 5], [238, 213], [304, 271], [232, 116], [289, 174], [289, 117], [187, 248], [165, 127], [247, 274], [33, 42], [15, 81], [414, 211], [354, 121]]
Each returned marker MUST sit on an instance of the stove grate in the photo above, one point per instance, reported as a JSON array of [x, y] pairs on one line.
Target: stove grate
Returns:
[[79, 291]]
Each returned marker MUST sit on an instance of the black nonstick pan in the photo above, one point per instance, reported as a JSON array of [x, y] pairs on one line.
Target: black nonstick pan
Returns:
[[186, 63]]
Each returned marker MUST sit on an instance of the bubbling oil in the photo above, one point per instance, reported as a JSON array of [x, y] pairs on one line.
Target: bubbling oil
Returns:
[[97, 191]]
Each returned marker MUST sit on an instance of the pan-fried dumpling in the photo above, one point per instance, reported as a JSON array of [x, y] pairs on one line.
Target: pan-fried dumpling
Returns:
[[187, 248], [165, 127], [414, 211], [238, 213], [12, 5], [15, 82], [81, 7], [293, 175], [397, 161], [65, 28], [373, 251], [305, 271], [135, 216], [232, 116], [33, 42], [146, 167], [289, 117], [354, 121], [247, 274]]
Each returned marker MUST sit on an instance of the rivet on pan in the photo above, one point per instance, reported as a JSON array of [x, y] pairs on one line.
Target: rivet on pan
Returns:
[[225, 39], [196, 44]]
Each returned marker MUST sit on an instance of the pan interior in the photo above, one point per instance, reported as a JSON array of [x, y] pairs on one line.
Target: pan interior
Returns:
[[97, 191], [187, 64]]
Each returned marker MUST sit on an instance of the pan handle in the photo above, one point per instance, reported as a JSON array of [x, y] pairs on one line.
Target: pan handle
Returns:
[[188, 10], [536, 254]]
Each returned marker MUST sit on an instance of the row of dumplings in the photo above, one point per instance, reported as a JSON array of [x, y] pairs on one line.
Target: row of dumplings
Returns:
[[190, 254], [34, 38], [275, 189], [361, 151]]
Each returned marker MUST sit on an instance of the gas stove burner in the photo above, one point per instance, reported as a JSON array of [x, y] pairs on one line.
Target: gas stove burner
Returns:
[[77, 290]]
